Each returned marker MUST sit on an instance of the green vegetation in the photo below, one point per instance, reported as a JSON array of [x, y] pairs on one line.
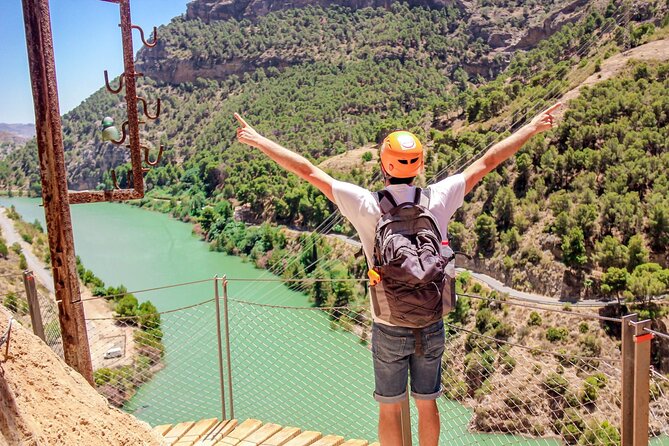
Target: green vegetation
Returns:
[[554, 334], [535, 319], [591, 195], [585, 183]]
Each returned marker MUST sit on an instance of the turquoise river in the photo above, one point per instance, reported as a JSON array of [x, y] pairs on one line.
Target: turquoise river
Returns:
[[288, 365]]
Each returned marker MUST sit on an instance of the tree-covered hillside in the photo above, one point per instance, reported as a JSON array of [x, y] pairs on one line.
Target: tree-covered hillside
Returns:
[[554, 211]]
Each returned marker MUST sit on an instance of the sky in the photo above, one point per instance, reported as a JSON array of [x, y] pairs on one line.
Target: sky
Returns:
[[87, 41]]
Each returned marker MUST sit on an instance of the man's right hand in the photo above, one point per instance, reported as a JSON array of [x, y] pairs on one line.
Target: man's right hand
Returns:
[[247, 134]]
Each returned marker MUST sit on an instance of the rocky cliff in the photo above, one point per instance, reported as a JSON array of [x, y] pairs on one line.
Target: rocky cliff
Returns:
[[210, 10], [499, 27]]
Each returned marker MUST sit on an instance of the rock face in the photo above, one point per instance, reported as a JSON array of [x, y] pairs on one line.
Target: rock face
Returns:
[[504, 29], [210, 10]]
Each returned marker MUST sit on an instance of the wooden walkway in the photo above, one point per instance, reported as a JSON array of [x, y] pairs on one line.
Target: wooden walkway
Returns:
[[249, 433]]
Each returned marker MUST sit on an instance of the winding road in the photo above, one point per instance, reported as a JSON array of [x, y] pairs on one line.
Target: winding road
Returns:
[[11, 236]]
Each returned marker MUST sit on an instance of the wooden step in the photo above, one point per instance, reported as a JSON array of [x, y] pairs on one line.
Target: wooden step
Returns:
[[211, 432], [242, 431], [329, 440], [260, 435], [304, 439], [282, 437], [196, 432], [217, 432], [177, 431]]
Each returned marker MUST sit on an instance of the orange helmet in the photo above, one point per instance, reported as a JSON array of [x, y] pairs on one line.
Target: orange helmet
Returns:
[[402, 155]]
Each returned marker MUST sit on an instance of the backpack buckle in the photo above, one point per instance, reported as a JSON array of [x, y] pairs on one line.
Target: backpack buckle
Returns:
[[374, 277]]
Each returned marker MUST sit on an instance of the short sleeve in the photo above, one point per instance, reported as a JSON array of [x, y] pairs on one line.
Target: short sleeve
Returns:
[[450, 194], [353, 201]]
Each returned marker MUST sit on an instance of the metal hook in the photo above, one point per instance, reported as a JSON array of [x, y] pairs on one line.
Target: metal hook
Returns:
[[141, 35], [146, 110], [146, 156], [120, 84], [124, 129]]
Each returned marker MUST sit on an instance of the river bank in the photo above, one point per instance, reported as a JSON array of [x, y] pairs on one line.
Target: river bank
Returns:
[[103, 332]]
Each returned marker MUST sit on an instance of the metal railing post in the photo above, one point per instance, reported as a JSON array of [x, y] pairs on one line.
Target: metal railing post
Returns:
[[220, 346], [227, 345], [33, 304], [642, 341], [405, 419], [627, 391]]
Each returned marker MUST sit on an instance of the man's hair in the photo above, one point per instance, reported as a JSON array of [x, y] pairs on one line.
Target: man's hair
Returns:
[[393, 180]]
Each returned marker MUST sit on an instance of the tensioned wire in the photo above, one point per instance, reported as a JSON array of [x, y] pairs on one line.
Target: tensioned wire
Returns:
[[337, 217], [605, 29], [194, 328], [537, 307], [305, 377]]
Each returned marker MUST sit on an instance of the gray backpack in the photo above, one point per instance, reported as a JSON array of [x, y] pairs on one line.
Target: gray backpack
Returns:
[[407, 255]]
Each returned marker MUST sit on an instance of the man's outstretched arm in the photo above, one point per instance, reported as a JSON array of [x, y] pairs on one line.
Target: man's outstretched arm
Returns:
[[506, 148], [287, 159]]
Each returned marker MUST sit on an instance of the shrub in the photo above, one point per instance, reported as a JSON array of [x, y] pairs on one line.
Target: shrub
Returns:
[[583, 327], [11, 302], [4, 251], [535, 319], [590, 392], [23, 264], [507, 362], [102, 376], [604, 434], [571, 426], [479, 365], [556, 383], [454, 389], [591, 345], [148, 316], [485, 320], [554, 334], [17, 248], [127, 308], [485, 389], [461, 311], [504, 331]]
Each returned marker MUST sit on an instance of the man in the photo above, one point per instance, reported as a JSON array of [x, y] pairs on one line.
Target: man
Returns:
[[395, 347]]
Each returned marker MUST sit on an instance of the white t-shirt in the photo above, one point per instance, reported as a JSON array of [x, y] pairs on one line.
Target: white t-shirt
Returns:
[[362, 209]]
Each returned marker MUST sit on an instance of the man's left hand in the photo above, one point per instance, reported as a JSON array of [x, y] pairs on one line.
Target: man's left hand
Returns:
[[545, 120]]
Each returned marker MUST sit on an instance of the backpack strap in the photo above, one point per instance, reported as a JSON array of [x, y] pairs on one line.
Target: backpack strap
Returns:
[[423, 197], [386, 201]]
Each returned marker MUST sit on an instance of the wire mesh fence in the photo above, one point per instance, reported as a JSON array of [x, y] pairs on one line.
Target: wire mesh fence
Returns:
[[49, 312], [511, 374], [17, 303]]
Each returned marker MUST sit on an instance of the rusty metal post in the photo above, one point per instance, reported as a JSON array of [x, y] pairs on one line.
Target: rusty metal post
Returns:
[[642, 341], [405, 419], [227, 344], [627, 391], [33, 304], [220, 346], [54, 185]]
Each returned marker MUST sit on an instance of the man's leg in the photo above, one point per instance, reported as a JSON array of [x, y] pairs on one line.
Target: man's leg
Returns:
[[391, 368], [426, 383], [428, 422], [390, 426]]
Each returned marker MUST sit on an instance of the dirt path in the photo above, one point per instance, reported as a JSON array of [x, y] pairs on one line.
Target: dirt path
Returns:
[[657, 50], [12, 236]]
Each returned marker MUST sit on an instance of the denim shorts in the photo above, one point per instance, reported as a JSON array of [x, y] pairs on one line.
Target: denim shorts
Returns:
[[395, 356]]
